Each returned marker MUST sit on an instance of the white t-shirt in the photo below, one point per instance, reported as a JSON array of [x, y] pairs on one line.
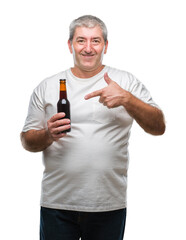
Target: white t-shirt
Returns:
[[87, 169]]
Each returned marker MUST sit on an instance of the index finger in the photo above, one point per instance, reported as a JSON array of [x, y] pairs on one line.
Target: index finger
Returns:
[[93, 94], [57, 116]]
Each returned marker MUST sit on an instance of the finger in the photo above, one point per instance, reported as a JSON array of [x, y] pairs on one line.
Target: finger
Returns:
[[57, 116], [58, 136], [93, 94], [101, 99], [61, 129], [61, 122], [107, 79], [53, 127]]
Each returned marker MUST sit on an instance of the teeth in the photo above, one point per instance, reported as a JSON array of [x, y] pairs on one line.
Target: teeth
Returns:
[[87, 55]]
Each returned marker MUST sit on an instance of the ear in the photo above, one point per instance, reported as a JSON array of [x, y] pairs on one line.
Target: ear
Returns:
[[106, 46], [70, 46]]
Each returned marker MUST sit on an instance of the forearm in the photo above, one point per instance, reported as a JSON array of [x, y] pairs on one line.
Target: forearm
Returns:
[[39, 140], [150, 118], [36, 140]]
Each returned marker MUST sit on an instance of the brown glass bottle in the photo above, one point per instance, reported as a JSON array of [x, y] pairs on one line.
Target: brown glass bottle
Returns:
[[63, 104]]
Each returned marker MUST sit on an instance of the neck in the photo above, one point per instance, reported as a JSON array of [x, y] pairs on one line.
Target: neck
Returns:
[[86, 73]]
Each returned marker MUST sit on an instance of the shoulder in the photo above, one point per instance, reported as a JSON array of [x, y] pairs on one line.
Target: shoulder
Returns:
[[124, 78], [50, 82], [53, 78]]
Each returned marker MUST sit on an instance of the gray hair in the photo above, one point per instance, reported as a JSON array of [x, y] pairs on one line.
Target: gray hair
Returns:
[[88, 21]]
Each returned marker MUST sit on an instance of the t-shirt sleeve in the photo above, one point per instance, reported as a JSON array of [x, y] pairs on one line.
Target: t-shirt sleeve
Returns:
[[36, 111], [139, 90]]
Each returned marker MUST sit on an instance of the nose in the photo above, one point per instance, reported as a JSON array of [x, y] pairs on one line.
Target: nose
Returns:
[[88, 47]]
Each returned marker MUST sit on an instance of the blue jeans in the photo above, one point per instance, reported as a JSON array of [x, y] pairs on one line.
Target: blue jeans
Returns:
[[71, 225]]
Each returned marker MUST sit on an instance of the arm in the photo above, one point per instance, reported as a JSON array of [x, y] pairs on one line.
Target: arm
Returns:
[[36, 140], [39, 140], [149, 118]]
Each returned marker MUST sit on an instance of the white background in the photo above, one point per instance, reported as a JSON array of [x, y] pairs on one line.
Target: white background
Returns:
[[146, 38]]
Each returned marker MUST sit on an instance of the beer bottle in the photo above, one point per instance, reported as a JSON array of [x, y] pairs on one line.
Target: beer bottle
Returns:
[[63, 104]]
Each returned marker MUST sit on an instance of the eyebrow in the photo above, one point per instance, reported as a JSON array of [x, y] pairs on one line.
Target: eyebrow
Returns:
[[79, 37]]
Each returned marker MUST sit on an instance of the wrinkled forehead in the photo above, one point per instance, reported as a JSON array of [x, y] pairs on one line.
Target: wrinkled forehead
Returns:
[[88, 33]]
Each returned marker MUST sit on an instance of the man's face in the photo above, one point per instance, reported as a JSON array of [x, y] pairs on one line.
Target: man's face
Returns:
[[88, 48]]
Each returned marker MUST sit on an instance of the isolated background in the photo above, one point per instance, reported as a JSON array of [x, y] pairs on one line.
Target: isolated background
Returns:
[[146, 38]]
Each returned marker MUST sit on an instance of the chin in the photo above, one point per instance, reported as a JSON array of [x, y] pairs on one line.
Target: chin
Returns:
[[88, 67]]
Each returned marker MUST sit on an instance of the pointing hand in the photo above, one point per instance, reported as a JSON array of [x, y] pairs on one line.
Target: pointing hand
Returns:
[[112, 95]]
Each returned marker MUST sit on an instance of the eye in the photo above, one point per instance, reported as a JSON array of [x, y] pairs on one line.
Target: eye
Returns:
[[96, 41], [81, 41]]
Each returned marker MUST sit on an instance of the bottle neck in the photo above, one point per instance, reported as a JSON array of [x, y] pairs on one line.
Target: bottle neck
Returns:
[[63, 95], [63, 92]]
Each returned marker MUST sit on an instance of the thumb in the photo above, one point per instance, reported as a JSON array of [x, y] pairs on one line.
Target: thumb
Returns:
[[107, 79]]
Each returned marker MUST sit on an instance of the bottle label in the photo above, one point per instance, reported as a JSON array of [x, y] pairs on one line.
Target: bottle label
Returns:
[[64, 101]]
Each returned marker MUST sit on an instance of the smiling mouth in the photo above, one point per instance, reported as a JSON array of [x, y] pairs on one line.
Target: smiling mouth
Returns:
[[86, 55]]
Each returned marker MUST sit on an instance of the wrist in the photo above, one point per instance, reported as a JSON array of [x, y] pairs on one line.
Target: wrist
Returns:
[[48, 137], [127, 99]]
